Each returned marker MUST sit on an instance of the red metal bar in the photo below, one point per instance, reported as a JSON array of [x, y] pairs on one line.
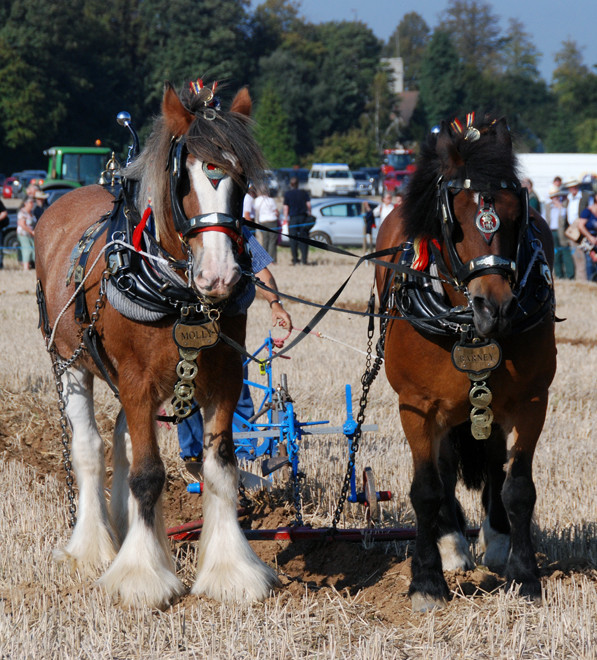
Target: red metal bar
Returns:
[[192, 531]]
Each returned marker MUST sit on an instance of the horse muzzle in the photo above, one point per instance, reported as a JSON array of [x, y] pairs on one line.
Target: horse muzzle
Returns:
[[493, 317]]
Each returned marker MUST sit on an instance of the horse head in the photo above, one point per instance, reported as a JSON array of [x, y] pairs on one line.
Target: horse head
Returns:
[[483, 217], [195, 169]]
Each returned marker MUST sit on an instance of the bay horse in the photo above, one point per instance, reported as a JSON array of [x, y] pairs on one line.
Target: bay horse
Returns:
[[193, 170], [469, 349]]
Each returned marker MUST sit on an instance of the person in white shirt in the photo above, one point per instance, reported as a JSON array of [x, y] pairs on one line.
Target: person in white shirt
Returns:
[[249, 204], [555, 213], [267, 214], [573, 210], [382, 210]]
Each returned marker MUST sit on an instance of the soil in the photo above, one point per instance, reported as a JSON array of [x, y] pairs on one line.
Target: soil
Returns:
[[375, 572]]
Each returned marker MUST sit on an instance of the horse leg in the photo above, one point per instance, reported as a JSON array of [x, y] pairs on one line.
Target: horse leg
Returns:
[[452, 544], [519, 495], [494, 536], [143, 571], [93, 542], [428, 588], [228, 568], [121, 452]]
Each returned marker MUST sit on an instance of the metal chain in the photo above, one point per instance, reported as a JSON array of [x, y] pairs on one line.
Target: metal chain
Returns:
[[59, 367], [366, 381], [297, 481]]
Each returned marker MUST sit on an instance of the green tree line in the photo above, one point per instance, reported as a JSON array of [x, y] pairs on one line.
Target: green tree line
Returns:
[[321, 92]]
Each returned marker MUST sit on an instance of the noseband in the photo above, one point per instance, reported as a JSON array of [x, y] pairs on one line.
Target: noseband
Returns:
[[185, 226], [488, 223]]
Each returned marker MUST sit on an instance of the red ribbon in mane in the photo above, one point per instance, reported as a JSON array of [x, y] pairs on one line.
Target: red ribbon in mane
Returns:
[[138, 233], [422, 251]]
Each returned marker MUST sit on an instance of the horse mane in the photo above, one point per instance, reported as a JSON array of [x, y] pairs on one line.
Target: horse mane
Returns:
[[209, 140], [486, 162]]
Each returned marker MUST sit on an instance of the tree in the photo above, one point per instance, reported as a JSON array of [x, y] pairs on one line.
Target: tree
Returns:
[[475, 33], [352, 147], [441, 72], [520, 56], [409, 41], [272, 130]]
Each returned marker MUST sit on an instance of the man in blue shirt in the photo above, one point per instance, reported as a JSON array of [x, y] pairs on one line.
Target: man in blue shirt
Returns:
[[190, 429]]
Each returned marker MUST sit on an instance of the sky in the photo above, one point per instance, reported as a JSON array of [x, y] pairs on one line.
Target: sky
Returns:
[[548, 22]]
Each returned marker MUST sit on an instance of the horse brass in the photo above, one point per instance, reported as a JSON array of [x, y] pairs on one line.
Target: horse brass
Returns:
[[480, 395], [197, 336], [476, 358]]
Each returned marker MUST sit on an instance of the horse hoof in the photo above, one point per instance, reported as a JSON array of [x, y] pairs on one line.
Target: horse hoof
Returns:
[[455, 552], [495, 548], [424, 603]]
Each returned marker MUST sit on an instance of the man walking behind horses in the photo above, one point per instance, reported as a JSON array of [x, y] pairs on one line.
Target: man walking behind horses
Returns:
[[297, 205]]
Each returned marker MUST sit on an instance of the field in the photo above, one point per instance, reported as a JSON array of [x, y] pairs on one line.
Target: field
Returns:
[[337, 600]]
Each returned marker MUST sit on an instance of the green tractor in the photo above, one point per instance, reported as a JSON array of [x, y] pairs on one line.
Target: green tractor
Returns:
[[71, 167]]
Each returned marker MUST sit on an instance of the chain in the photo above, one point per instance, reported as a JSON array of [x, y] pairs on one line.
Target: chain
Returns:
[[59, 367], [297, 480], [367, 379]]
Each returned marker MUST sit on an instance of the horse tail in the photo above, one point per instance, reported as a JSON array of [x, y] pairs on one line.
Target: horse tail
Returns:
[[471, 456]]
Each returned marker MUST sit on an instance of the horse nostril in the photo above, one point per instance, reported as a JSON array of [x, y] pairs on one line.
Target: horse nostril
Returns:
[[482, 305]]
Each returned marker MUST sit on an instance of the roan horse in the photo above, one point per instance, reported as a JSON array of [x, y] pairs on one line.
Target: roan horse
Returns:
[[194, 168], [474, 353]]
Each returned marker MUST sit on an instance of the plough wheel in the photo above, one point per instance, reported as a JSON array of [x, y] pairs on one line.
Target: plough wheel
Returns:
[[370, 495]]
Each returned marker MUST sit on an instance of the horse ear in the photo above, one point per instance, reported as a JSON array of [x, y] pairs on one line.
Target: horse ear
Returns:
[[242, 102], [446, 150], [502, 133], [178, 118]]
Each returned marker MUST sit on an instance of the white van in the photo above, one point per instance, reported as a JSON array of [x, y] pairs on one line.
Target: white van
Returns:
[[331, 179]]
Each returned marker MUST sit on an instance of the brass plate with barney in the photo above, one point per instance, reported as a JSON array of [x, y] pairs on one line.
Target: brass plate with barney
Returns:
[[476, 357], [195, 335]]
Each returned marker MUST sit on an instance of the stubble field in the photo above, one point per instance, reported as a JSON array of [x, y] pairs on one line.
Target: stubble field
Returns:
[[337, 600]]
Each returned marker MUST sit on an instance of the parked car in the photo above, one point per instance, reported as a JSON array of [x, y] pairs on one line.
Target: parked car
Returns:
[[10, 187], [330, 179], [338, 221], [284, 174], [17, 183], [376, 178], [364, 185]]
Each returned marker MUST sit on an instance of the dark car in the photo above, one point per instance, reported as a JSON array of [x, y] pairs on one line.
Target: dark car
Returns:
[[374, 174], [364, 185], [17, 183]]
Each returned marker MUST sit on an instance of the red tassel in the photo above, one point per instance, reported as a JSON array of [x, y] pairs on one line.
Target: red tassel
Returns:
[[422, 260], [138, 233]]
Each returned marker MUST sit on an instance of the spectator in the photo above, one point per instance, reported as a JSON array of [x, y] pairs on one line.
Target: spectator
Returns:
[[266, 213], [41, 204], [533, 198], [297, 205], [249, 205], [588, 228], [25, 230], [555, 213], [382, 210], [368, 225], [573, 210], [3, 224]]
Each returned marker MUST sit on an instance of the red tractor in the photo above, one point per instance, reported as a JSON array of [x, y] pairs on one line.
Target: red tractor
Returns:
[[398, 165]]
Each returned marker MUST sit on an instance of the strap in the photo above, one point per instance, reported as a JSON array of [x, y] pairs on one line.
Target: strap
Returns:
[[90, 339]]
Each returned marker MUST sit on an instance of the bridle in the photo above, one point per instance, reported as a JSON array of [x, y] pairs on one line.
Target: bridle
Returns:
[[487, 222], [215, 221]]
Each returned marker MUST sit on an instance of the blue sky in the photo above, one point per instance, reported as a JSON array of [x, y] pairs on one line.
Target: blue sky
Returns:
[[549, 22]]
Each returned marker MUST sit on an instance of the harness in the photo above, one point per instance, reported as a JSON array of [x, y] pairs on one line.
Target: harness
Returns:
[[421, 302]]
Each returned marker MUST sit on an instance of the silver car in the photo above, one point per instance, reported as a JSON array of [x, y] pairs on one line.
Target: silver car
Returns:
[[340, 220]]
